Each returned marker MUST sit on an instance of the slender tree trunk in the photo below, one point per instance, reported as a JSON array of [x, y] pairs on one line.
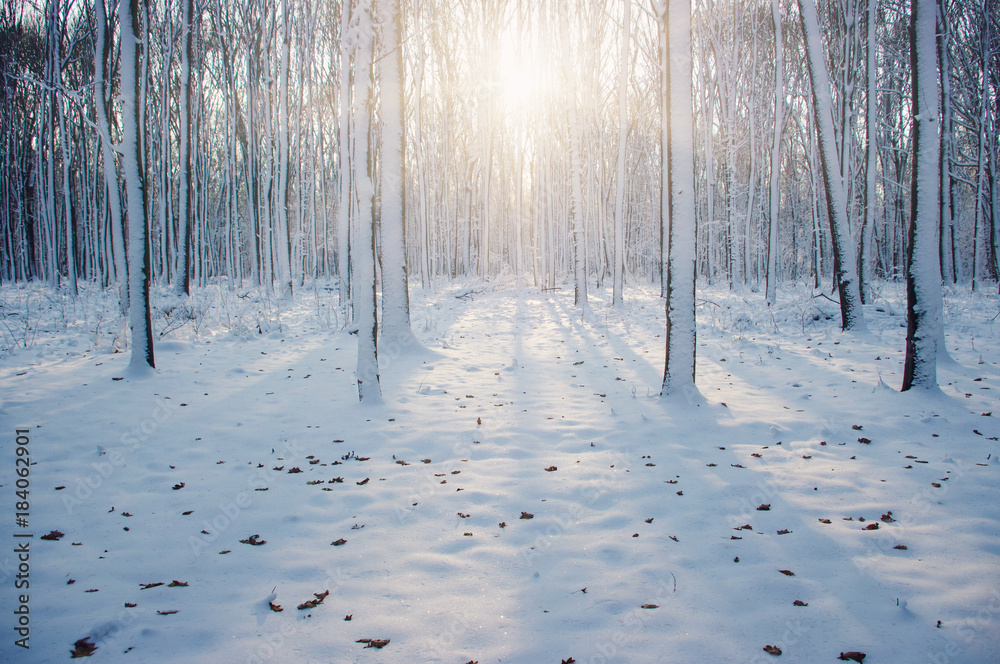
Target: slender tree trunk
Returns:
[[138, 224], [395, 296], [575, 202], [182, 279], [619, 236], [363, 253], [678, 156], [871, 155], [67, 203], [770, 294], [343, 163], [283, 228], [845, 265], [923, 274]]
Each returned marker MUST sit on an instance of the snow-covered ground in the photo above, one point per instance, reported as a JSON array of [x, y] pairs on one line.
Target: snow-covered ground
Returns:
[[797, 454]]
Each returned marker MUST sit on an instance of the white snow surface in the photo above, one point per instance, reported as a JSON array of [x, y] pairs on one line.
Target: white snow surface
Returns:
[[510, 405]]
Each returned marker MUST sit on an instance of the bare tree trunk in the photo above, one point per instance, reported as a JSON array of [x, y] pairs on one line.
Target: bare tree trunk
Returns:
[[678, 156], [363, 253], [923, 274], [770, 294], [618, 269], [138, 223], [392, 249], [283, 229], [845, 265], [182, 279]]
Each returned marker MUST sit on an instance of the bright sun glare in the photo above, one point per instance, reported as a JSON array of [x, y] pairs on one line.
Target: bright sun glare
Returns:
[[519, 74]]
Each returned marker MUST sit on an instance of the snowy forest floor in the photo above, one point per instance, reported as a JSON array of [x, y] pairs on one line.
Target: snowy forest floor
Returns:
[[797, 474]]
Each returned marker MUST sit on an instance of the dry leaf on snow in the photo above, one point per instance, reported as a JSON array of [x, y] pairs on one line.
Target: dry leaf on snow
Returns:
[[82, 648]]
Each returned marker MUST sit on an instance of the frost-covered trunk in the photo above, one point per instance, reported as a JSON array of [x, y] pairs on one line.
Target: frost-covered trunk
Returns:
[[677, 154], [871, 156], [67, 202], [845, 264], [923, 275], [182, 282], [283, 229], [392, 249], [575, 202], [344, 161], [981, 161], [659, 7], [363, 249], [135, 189], [949, 238], [770, 291], [618, 269]]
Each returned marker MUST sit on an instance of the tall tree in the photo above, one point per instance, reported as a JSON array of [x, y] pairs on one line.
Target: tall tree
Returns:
[[102, 100], [845, 265], [923, 274], [182, 282], [363, 249], [770, 294], [677, 155], [575, 202], [618, 268], [135, 185], [392, 191]]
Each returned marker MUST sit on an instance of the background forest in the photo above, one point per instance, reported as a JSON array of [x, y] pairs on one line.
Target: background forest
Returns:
[[247, 137]]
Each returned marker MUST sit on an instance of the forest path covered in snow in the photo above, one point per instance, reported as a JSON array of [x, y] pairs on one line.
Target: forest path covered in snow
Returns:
[[522, 496]]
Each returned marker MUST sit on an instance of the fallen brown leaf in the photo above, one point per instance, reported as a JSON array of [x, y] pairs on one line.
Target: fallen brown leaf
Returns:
[[772, 650], [852, 655], [82, 648]]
